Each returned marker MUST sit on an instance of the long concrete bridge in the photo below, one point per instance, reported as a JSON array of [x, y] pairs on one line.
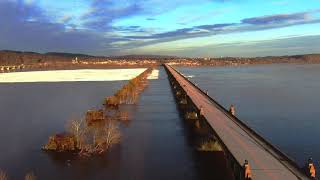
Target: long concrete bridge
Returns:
[[239, 142]]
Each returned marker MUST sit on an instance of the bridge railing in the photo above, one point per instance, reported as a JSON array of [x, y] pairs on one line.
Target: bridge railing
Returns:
[[247, 128]]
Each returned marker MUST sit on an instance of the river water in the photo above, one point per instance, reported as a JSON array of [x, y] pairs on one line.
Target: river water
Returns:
[[280, 101], [154, 145]]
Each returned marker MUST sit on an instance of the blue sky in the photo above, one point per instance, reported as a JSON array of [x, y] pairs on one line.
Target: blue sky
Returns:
[[175, 27]]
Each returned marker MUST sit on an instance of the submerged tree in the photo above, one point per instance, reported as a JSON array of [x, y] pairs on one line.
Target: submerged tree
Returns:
[[210, 145], [99, 139], [129, 93], [30, 176], [3, 175], [76, 127], [87, 139], [99, 130], [106, 137]]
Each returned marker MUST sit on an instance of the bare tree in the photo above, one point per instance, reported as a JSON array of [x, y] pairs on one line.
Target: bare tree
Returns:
[[75, 126], [100, 138], [30, 176], [110, 135], [3, 175]]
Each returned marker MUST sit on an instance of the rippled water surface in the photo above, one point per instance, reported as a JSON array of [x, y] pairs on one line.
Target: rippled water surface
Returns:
[[281, 102], [154, 145]]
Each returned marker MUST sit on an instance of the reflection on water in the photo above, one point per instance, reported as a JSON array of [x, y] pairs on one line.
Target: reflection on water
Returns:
[[281, 102], [154, 145]]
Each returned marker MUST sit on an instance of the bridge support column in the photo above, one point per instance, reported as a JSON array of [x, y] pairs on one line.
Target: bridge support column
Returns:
[[237, 170]]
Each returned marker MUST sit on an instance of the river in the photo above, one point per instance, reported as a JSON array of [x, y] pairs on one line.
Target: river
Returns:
[[154, 145], [279, 101]]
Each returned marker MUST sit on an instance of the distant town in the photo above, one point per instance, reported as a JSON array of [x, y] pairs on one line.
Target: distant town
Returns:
[[16, 60]]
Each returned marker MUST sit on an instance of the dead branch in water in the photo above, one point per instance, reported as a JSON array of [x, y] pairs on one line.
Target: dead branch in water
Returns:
[[30, 176], [3, 175]]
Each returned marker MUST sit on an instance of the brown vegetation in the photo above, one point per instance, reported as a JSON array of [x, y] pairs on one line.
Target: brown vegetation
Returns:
[[112, 102], [191, 115], [97, 140], [210, 145], [30, 176], [129, 93], [122, 116], [3, 175], [61, 142], [84, 138], [94, 116]]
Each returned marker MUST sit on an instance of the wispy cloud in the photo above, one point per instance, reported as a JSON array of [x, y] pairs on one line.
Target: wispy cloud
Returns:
[[275, 47], [104, 12], [18, 33], [151, 19], [246, 25], [278, 19]]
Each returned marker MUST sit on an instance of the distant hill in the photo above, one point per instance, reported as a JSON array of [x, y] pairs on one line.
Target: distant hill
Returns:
[[18, 57], [137, 57], [67, 54]]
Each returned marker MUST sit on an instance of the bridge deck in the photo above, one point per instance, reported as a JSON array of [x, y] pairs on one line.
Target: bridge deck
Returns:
[[265, 162]]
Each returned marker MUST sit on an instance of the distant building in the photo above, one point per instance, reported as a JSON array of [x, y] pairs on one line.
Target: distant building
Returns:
[[75, 61]]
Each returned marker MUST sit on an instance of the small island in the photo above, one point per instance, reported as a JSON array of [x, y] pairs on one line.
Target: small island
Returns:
[[99, 129]]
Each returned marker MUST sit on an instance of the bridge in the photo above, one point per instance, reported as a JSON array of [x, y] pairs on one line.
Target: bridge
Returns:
[[239, 142]]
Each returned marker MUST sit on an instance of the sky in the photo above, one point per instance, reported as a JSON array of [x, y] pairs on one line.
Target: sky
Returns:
[[201, 28]]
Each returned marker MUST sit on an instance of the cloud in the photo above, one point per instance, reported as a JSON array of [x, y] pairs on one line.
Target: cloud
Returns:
[[151, 19], [215, 26], [66, 19], [104, 12], [275, 19], [276, 47], [246, 25], [17, 32], [129, 29], [282, 46]]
